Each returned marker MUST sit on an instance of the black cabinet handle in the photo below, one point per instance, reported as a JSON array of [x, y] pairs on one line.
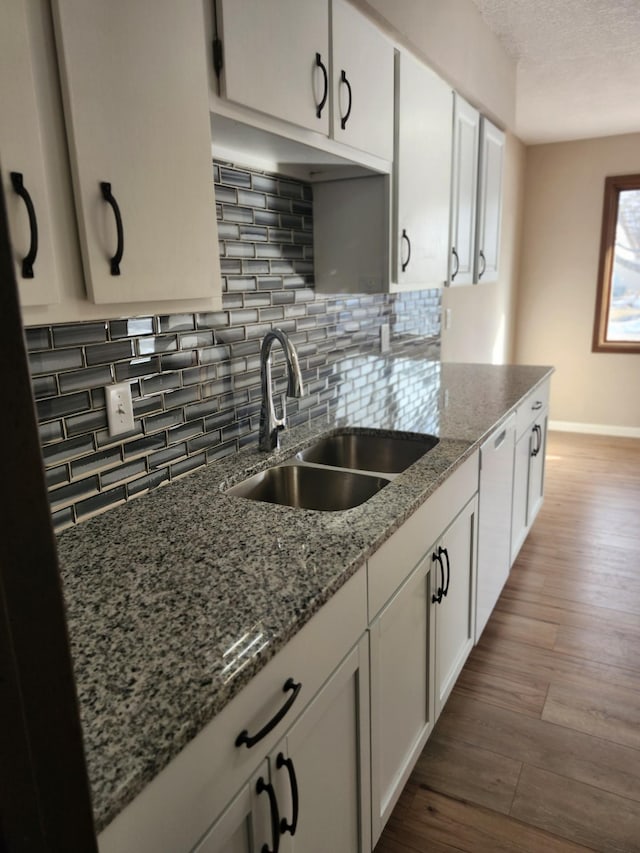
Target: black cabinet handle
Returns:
[[345, 117], [537, 405], [455, 255], [320, 64], [436, 598], [262, 786], [281, 762], [538, 433], [108, 196], [446, 556], [405, 236], [251, 740], [17, 181], [484, 265]]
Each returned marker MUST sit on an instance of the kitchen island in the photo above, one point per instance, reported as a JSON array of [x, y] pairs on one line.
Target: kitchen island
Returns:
[[159, 590]]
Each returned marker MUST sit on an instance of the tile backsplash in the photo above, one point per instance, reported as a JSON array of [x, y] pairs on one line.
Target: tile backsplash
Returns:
[[195, 378]]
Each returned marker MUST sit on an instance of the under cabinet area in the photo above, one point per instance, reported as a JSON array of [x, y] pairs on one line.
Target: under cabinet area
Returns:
[[318, 64], [134, 85]]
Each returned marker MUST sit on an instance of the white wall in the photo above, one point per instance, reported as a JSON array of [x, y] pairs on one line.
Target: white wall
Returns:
[[564, 191]]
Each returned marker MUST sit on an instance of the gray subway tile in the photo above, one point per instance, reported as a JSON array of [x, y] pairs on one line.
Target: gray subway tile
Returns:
[[78, 334]]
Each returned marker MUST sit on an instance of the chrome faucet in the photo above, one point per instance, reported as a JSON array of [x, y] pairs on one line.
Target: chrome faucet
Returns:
[[270, 425]]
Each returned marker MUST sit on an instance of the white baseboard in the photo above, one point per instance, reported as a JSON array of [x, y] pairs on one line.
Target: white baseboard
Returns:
[[595, 429]]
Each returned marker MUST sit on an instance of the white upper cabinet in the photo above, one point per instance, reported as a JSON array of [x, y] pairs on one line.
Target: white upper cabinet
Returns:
[[464, 191], [489, 201], [316, 64], [422, 175], [21, 158], [134, 84], [362, 66], [275, 58]]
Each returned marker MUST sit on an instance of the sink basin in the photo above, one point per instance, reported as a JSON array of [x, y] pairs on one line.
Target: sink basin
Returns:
[[369, 452], [309, 488]]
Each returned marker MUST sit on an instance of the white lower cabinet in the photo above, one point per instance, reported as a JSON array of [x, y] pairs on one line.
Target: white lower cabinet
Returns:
[[244, 826], [402, 707], [421, 614], [325, 760], [312, 794], [454, 600], [529, 461]]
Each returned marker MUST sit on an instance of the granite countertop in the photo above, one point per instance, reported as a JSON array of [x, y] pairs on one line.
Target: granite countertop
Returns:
[[159, 589]]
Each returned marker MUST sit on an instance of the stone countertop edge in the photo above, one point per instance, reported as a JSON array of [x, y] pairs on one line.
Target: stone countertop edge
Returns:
[[158, 590]]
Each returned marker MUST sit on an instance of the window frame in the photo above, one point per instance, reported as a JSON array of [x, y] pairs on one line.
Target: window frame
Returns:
[[612, 188]]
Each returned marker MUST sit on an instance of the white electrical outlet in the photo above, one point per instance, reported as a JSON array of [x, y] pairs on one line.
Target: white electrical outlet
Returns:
[[119, 408]]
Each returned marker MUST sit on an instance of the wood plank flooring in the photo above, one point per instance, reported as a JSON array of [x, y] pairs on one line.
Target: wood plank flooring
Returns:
[[538, 747]]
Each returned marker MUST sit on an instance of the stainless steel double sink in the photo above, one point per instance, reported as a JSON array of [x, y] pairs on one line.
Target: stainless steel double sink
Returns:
[[338, 472]]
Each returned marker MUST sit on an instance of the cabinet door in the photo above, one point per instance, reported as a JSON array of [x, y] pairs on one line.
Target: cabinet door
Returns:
[[135, 92], [464, 188], [362, 61], [489, 201], [21, 155], [422, 175], [401, 690], [455, 613], [519, 507], [276, 58], [245, 825], [536, 468], [328, 751]]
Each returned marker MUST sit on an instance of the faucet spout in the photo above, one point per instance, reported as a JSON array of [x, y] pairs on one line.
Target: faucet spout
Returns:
[[270, 425]]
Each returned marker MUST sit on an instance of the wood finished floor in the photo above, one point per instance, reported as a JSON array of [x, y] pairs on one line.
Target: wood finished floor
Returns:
[[538, 747]]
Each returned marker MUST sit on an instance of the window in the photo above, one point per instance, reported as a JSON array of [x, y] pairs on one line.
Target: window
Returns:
[[617, 320]]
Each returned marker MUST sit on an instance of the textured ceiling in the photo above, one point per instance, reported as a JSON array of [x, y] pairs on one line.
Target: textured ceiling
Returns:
[[578, 65]]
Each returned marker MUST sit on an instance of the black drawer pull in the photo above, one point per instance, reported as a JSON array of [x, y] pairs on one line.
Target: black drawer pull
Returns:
[[281, 762], [251, 740], [537, 405], [262, 786], [108, 196], [17, 181]]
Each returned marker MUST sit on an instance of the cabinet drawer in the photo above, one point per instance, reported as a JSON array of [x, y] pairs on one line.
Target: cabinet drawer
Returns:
[[531, 406], [394, 560], [178, 805]]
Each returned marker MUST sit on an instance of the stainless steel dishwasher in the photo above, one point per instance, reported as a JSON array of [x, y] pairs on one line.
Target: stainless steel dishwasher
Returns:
[[494, 518]]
